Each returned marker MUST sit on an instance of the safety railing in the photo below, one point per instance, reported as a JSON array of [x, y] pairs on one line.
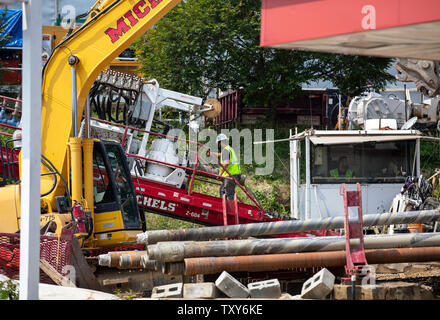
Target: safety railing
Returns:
[[55, 250], [194, 170], [8, 156], [6, 108]]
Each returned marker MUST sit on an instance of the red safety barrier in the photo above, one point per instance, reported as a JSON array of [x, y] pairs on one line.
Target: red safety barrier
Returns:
[[55, 250]]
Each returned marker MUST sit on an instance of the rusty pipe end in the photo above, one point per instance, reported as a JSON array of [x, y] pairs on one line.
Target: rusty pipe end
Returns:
[[142, 238], [155, 236]]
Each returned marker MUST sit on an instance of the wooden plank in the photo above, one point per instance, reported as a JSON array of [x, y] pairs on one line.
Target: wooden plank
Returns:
[[58, 278], [84, 275], [110, 282]]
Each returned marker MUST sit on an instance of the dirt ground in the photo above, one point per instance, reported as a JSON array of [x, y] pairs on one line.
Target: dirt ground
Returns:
[[426, 273]]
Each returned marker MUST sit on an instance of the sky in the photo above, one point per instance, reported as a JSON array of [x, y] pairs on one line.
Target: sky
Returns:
[[392, 70], [65, 7]]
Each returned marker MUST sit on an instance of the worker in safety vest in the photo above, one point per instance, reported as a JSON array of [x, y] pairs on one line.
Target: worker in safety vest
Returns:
[[229, 160], [342, 171]]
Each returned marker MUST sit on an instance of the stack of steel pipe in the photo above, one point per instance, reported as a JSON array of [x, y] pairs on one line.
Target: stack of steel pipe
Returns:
[[179, 255], [280, 227], [267, 254], [178, 251], [275, 262]]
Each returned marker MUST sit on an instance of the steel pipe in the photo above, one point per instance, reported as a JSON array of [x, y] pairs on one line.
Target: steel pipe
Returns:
[[138, 260], [274, 262], [279, 227], [130, 261], [178, 251], [110, 259], [121, 259]]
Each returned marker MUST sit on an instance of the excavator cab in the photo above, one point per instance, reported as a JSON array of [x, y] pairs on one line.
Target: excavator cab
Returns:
[[114, 191], [116, 213]]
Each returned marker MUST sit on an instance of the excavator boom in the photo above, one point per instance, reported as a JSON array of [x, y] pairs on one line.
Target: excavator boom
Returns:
[[111, 28]]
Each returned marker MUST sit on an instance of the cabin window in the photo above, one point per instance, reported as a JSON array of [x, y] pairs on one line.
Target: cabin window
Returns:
[[102, 188], [368, 162], [124, 186]]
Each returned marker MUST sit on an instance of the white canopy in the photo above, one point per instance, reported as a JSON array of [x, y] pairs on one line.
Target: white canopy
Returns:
[[347, 139]]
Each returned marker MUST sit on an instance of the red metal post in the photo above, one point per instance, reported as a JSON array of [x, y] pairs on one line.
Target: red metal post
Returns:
[[8, 98], [124, 137], [9, 126], [194, 172], [355, 257], [225, 211]]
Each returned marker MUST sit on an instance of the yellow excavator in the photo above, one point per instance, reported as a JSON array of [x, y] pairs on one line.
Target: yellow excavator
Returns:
[[85, 179]]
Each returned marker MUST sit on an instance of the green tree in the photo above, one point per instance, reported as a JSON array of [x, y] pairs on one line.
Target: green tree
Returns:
[[353, 74], [201, 45]]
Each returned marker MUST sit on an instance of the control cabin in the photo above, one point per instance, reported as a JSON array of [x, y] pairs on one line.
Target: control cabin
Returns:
[[374, 158]]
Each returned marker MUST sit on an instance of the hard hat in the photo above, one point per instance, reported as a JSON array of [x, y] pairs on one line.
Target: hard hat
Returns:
[[221, 137]]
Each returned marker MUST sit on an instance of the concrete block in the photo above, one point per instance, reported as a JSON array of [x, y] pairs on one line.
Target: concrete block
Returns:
[[265, 289], [204, 290], [230, 286], [174, 290], [318, 286]]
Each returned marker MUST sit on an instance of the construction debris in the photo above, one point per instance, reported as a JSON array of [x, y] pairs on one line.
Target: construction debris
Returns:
[[54, 275]]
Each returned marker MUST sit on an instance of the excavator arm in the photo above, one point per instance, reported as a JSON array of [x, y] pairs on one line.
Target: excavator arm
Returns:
[[424, 73], [112, 26]]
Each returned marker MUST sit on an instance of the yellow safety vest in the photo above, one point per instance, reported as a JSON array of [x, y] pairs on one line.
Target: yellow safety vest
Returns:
[[335, 173], [234, 166]]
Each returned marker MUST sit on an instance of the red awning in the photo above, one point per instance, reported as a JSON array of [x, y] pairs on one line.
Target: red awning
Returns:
[[390, 28]]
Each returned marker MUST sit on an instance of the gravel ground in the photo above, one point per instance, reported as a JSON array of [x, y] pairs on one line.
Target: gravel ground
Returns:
[[422, 273]]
